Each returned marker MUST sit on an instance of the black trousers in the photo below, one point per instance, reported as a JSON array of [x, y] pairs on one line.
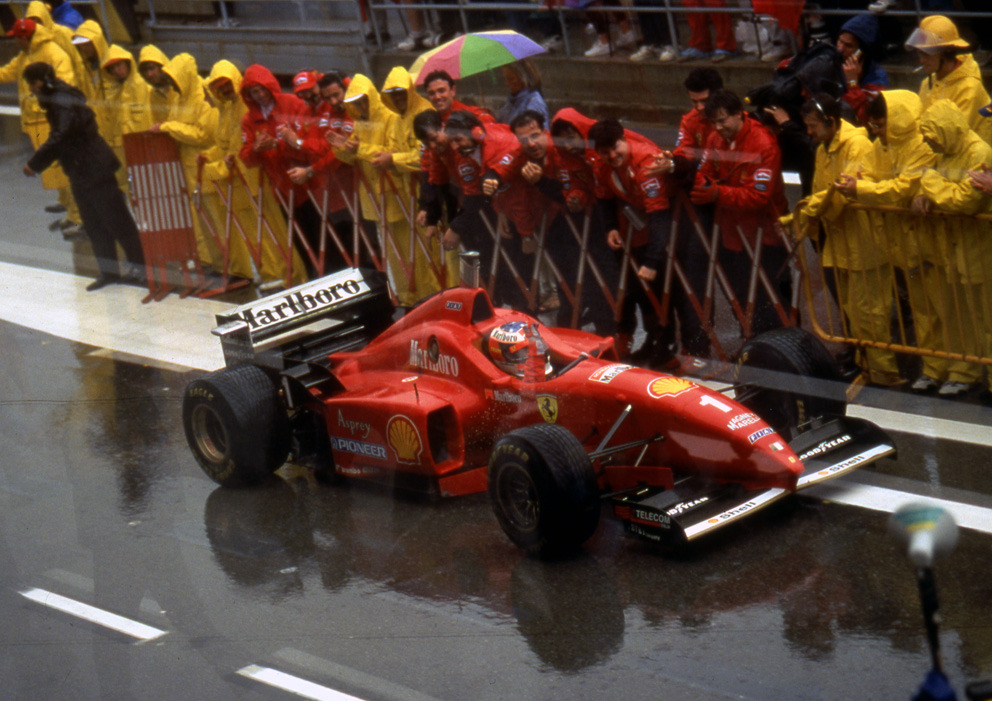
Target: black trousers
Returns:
[[107, 221]]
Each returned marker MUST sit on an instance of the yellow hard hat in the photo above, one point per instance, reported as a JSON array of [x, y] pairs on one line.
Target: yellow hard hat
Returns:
[[934, 34]]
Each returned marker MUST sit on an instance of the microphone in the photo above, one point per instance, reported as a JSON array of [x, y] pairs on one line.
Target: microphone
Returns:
[[928, 531]]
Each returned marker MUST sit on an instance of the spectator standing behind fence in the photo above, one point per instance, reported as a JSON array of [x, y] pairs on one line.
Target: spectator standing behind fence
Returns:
[[400, 166], [952, 72], [151, 60], [37, 44], [891, 178], [223, 192], [90, 165], [741, 173], [127, 95], [91, 45], [523, 81], [700, 42], [192, 124], [856, 262], [374, 125], [864, 77], [967, 244], [625, 175]]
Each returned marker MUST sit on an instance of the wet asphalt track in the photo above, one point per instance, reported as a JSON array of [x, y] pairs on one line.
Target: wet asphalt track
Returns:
[[126, 573]]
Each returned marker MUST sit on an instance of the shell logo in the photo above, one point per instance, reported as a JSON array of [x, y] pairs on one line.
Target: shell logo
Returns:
[[668, 386], [404, 438]]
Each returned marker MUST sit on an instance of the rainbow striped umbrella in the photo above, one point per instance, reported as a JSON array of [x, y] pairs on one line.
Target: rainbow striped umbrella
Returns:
[[474, 53]]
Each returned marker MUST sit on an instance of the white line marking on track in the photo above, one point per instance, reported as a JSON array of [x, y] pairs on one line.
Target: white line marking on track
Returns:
[[294, 685], [374, 686], [929, 426], [106, 619], [976, 518]]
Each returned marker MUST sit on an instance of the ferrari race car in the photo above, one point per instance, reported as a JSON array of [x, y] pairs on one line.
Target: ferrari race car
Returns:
[[459, 397]]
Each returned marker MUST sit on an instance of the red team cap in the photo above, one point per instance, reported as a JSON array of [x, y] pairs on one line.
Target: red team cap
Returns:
[[304, 80], [23, 28]]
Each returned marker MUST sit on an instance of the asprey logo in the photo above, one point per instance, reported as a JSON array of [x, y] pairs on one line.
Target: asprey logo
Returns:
[[355, 427]]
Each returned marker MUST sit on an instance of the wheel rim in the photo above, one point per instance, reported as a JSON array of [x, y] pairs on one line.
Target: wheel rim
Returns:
[[210, 434], [518, 497]]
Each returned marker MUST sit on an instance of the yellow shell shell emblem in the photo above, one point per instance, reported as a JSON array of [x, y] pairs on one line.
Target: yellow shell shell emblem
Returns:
[[404, 438], [668, 386]]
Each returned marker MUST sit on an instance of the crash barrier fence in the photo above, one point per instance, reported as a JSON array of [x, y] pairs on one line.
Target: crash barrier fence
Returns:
[[948, 281], [929, 279]]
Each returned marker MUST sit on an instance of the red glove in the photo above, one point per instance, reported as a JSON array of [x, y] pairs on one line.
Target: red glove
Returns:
[[704, 193]]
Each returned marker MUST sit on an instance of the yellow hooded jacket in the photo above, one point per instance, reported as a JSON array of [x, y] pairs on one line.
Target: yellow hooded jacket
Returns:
[[192, 121], [374, 135], [850, 242], [43, 48], [38, 11], [227, 140], [129, 99], [159, 101], [93, 79], [408, 151], [892, 178], [949, 188], [962, 86]]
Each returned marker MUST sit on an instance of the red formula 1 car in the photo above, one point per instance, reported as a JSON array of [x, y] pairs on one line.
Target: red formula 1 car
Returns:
[[458, 397]]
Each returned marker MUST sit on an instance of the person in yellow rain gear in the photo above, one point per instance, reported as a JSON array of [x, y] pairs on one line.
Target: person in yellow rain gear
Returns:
[[371, 136], [891, 178], [967, 244], [952, 72], [221, 166], [192, 123], [91, 46], [856, 263], [402, 166], [151, 61], [37, 44], [127, 96]]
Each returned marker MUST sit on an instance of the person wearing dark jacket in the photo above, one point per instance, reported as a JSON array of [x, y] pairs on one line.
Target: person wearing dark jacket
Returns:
[[90, 165]]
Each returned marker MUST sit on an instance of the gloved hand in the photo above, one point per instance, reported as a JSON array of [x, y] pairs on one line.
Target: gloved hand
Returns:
[[704, 192]]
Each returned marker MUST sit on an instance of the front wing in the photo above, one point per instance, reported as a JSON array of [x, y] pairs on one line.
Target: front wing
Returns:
[[694, 507]]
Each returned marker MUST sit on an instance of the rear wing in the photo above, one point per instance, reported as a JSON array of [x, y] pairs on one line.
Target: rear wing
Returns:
[[341, 311]]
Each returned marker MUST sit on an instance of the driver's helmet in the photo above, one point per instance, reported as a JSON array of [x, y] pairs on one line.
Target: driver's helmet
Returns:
[[509, 348]]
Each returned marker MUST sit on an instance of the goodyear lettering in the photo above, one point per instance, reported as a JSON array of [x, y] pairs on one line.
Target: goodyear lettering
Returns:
[[354, 426], [348, 445], [686, 506], [444, 365], [200, 392], [742, 420], [824, 446], [513, 451]]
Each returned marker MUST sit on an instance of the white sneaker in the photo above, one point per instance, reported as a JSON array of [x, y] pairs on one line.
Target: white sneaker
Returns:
[[599, 49], [627, 40], [924, 383], [881, 6], [552, 44], [412, 42], [953, 389], [668, 54], [644, 53]]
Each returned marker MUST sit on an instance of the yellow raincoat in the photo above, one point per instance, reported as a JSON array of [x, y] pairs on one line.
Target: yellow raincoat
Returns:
[[159, 101], [969, 242], [129, 99], [94, 80], [855, 252], [374, 135], [38, 11], [962, 86], [892, 178], [241, 196], [404, 180], [43, 48], [192, 122]]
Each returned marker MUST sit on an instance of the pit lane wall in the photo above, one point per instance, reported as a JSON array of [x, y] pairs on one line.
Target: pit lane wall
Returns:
[[927, 293]]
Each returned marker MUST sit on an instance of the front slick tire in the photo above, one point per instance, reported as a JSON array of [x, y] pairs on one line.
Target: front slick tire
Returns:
[[236, 425], [543, 490]]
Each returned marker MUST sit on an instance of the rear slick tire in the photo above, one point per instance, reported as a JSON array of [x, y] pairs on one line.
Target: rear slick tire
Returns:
[[544, 490], [236, 425]]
